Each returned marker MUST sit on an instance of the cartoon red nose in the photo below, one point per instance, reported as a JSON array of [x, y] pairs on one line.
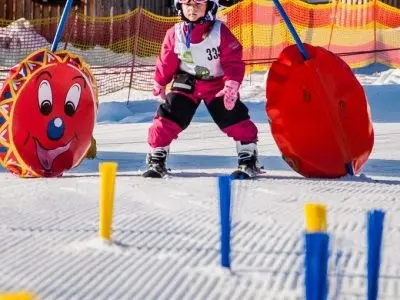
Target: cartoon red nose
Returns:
[[55, 129]]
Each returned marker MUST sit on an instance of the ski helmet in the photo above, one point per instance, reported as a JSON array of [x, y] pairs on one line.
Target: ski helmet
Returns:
[[211, 11]]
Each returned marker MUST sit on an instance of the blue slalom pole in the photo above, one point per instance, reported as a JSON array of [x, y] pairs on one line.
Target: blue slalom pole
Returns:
[[61, 25], [316, 265], [293, 32], [224, 183], [374, 235]]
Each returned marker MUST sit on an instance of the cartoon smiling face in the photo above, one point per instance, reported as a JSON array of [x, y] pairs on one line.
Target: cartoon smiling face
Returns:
[[53, 120]]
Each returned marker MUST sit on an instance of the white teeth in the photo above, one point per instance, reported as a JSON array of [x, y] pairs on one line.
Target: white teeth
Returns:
[[47, 157]]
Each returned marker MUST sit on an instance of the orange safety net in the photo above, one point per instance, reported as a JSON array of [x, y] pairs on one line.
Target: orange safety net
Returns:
[[122, 49], [362, 33]]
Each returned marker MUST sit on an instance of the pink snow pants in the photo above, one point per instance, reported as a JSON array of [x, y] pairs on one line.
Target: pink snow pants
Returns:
[[175, 114]]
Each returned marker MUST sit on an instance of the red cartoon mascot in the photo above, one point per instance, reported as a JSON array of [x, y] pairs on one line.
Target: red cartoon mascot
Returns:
[[48, 107]]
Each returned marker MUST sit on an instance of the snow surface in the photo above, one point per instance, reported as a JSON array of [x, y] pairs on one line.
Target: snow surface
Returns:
[[166, 232]]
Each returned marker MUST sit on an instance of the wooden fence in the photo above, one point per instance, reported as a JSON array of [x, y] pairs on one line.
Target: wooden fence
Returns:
[[28, 9], [394, 3]]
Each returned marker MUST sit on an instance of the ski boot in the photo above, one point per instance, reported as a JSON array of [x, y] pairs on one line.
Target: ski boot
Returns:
[[247, 161], [156, 163]]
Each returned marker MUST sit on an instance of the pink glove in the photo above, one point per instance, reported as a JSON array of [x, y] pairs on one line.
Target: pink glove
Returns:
[[159, 90], [230, 93]]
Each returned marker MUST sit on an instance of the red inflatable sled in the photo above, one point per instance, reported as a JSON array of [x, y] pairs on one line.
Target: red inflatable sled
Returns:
[[319, 114]]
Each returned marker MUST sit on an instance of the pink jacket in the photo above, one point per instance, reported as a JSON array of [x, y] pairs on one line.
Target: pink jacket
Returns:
[[230, 54]]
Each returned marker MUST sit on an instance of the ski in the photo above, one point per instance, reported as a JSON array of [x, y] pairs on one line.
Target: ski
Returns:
[[246, 173], [239, 174], [153, 174]]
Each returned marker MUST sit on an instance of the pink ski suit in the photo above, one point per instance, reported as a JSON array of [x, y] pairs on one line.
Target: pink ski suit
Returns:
[[176, 113]]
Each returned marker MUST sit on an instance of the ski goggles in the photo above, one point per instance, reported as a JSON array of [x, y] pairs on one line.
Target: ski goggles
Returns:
[[195, 1]]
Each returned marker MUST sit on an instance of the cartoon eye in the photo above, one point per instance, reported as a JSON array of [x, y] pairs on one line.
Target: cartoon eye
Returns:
[[72, 100], [45, 98]]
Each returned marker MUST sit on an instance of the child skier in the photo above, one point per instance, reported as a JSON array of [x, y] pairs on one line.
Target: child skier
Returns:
[[204, 60]]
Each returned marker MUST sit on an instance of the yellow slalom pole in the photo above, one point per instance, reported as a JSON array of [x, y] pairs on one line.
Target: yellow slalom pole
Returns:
[[315, 217], [108, 172], [17, 296]]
